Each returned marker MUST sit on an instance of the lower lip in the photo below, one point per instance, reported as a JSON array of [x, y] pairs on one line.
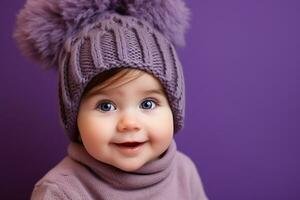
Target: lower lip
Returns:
[[130, 151]]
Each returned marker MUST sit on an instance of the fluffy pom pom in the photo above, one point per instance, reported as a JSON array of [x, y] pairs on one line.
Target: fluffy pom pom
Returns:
[[170, 17], [42, 26]]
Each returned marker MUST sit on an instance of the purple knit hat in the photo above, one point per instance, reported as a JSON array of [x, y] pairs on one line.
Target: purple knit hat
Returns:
[[86, 37]]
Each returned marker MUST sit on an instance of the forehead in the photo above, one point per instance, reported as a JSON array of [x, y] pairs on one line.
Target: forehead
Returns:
[[145, 83]]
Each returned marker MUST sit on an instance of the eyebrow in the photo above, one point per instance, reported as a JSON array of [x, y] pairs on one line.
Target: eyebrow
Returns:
[[155, 91], [146, 92], [94, 93]]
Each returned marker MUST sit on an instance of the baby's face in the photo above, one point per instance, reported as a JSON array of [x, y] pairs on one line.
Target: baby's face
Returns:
[[126, 126]]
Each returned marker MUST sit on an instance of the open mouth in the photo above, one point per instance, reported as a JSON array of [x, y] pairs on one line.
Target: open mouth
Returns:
[[130, 148], [130, 144]]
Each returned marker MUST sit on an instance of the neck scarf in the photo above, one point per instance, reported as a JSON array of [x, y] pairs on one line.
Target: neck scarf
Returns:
[[150, 174]]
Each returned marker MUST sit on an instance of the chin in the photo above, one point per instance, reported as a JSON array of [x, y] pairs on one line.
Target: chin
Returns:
[[129, 168]]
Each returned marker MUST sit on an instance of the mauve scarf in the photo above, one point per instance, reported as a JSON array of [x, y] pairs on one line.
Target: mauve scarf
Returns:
[[79, 176]]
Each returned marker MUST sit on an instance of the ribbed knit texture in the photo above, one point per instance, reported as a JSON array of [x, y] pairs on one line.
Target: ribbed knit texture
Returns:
[[79, 176], [117, 41]]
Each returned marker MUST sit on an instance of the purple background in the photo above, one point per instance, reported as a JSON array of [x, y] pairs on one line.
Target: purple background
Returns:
[[242, 127]]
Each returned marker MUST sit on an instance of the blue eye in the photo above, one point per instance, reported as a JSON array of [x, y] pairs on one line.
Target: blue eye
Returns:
[[148, 104], [106, 106]]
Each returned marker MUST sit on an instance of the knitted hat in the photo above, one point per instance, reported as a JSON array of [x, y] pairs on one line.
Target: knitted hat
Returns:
[[86, 37]]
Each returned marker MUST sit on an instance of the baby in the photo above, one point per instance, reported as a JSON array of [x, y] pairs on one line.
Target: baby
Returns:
[[121, 94], [118, 120]]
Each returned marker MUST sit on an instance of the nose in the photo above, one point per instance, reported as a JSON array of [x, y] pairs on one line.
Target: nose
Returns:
[[128, 123]]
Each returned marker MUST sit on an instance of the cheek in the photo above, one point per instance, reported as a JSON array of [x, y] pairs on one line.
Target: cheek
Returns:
[[94, 130], [162, 127], [165, 121]]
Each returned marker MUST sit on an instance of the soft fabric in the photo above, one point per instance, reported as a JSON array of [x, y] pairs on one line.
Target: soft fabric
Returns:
[[44, 25], [85, 38], [79, 176]]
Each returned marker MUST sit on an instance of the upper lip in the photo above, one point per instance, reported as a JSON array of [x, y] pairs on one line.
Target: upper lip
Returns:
[[128, 142]]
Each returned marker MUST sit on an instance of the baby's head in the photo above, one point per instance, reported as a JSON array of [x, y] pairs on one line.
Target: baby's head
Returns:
[[124, 118], [120, 81]]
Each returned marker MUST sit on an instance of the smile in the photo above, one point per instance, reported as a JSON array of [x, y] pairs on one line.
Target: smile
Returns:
[[129, 148]]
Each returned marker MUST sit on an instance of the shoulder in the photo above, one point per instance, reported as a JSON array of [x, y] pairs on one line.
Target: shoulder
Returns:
[[185, 162], [48, 190], [187, 171], [56, 184], [63, 169]]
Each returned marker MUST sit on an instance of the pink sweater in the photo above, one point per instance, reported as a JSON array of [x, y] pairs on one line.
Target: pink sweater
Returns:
[[79, 176]]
